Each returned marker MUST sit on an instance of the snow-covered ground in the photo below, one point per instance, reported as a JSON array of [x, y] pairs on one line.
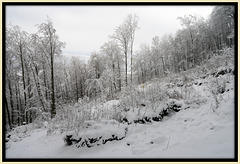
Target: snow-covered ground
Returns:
[[196, 132], [204, 129]]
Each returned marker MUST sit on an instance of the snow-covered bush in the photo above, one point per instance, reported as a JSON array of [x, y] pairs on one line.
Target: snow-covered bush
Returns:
[[217, 86], [147, 115], [155, 94], [227, 51], [222, 61], [20, 132], [173, 93], [70, 118], [95, 133], [173, 105]]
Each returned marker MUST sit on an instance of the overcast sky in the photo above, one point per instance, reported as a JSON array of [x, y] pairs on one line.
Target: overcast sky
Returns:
[[86, 28]]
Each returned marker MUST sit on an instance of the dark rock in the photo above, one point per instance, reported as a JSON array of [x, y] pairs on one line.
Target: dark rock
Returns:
[[68, 140], [172, 106], [165, 112], [74, 141], [126, 130], [83, 144], [140, 121], [221, 89], [90, 142], [223, 72], [157, 118], [177, 108], [147, 119], [143, 121], [124, 119]]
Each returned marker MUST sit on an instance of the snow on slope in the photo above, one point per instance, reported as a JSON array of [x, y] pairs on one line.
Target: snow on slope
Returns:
[[196, 132], [190, 133]]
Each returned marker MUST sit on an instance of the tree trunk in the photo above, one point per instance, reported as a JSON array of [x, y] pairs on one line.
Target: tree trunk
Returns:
[[35, 76], [114, 78], [20, 104], [131, 59], [18, 109], [8, 113], [11, 101], [119, 76], [76, 83], [53, 107], [66, 85], [126, 66], [23, 77], [81, 88], [29, 104], [45, 81]]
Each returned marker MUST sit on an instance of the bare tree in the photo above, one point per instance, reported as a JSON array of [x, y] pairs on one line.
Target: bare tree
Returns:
[[132, 23], [125, 34], [123, 37], [34, 59], [51, 46], [75, 62], [16, 43], [113, 62]]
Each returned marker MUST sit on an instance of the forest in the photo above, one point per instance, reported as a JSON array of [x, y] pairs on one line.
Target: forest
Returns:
[[39, 80], [121, 90]]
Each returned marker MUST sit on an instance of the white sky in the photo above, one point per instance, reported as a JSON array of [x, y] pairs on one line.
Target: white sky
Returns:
[[86, 28]]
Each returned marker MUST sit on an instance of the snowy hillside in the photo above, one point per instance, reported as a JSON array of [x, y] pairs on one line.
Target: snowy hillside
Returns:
[[146, 92], [203, 127], [191, 133]]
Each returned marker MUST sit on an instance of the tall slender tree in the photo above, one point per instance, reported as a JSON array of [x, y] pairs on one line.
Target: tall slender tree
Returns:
[[51, 46], [132, 23], [125, 34]]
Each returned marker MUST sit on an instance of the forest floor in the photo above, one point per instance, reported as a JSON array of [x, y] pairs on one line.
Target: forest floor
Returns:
[[196, 132]]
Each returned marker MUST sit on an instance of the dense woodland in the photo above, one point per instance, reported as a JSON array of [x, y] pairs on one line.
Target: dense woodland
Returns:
[[39, 80]]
